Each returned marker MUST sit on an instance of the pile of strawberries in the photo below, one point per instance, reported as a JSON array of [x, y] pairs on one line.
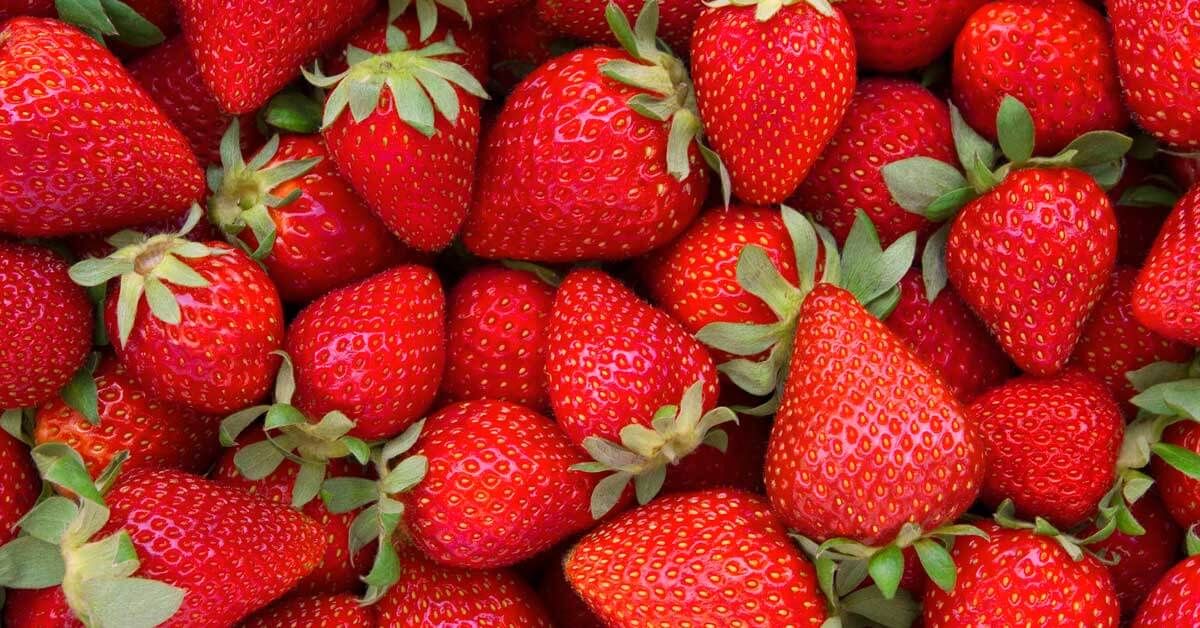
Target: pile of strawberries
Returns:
[[665, 313]]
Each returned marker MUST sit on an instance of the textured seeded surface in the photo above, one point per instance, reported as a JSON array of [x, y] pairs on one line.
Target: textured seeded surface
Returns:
[[331, 611], [1180, 493], [1167, 296], [902, 35], [1175, 601]]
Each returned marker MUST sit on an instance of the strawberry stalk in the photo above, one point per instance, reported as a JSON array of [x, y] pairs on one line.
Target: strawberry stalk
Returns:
[[427, 12]]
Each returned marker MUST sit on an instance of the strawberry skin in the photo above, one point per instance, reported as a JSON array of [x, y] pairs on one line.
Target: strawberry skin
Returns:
[[1017, 578], [1069, 85], [706, 558], [823, 472], [888, 120], [330, 611], [569, 172], [47, 325], [82, 146], [901, 36], [1179, 492], [1175, 600], [1032, 257], [496, 337], [1165, 297], [744, 69], [584, 19], [20, 488], [1144, 558], [373, 350], [499, 487]]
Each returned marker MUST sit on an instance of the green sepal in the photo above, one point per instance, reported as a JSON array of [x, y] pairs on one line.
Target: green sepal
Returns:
[[385, 570], [405, 475], [130, 602], [917, 183], [111, 18], [1192, 542], [80, 393], [972, 148], [61, 465], [344, 494], [548, 277], [1148, 196], [48, 519], [887, 568], [258, 460], [934, 274], [14, 421], [870, 603], [28, 562], [1014, 129], [1183, 460], [293, 111], [427, 13], [233, 425], [937, 563]]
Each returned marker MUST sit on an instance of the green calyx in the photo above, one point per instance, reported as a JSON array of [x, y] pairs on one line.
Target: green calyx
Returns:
[[1075, 546], [291, 436], [427, 12], [766, 9], [109, 18], [146, 265], [671, 97], [644, 453], [864, 268], [241, 192], [417, 80], [55, 548], [546, 275]]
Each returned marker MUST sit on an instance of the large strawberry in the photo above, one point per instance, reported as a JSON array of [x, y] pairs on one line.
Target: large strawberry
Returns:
[[595, 155], [585, 19], [1069, 83], [1166, 298], [409, 150], [902, 36], [204, 333], [1175, 600], [739, 568], [82, 147], [1142, 559], [773, 80], [323, 611]]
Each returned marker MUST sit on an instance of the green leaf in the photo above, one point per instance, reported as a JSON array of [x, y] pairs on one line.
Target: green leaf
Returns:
[[1107, 175], [48, 520], [295, 112], [933, 263], [97, 271], [621, 30], [307, 484], [608, 493], [1014, 128], [827, 569], [28, 562], [282, 415], [86, 14], [405, 475], [647, 485], [128, 299], [887, 568], [13, 422], [59, 464], [343, 494], [744, 338], [947, 205], [612, 454], [132, 28], [757, 274], [547, 276], [917, 182], [258, 460], [851, 574], [233, 425], [971, 146], [80, 393], [900, 611], [130, 602], [1148, 196], [404, 441], [358, 448], [1098, 147], [1192, 542], [1185, 461], [412, 104], [938, 564], [685, 126], [363, 529], [384, 572], [161, 301]]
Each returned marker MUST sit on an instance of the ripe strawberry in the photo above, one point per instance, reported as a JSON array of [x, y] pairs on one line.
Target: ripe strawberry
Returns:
[[1155, 41], [20, 488], [1113, 342], [247, 51], [585, 19], [206, 341], [1175, 600], [1179, 492], [46, 322], [411, 165], [1142, 558], [1165, 297], [563, 604], [888, 120], [750, 575], [1019, 578], [1060, 226], [572, 171], [289, 208], [822, 472], [328, 611], [739, 466], [373, 350], [521, 42], [1070, 85], [65, 96], [496, 337], [903, 36], [746, 60], [947, 336]]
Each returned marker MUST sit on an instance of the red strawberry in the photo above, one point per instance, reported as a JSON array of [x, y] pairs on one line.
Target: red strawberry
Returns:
[[1140, 217], [1069, 84], [1165, 297], [564, 605], [46, 322], [746, 60], [20, 488], [496, 337], [947, 336], [888, 120], [1179, 492], [17, 8], [324, 238], [141, 23], [1051, 445], [584, 19], [710, 556], [1142, 558], [520, 42], [823, 471], [572, 171], [1031, 257], [1113, 342], [373, 351], [82, 147], [1155, 42], [329, 611], [411, 164], [739, 466], [902, 36], [1018, 578], [1175, 600], [247, 50]]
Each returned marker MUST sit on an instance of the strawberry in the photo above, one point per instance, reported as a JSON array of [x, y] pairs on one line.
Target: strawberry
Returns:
[[96, 244], [521, 42], [381, 371], [1154, 41], [496, 337], [1180, 491], [1164, 298], [563, 604], [947, 336], [1141, 558], [1113, 342], [411, 165], [746, 60], [20, 488], [206, 341], [888, 120], [247, 51], [739, 466], [585, 19], [372, 37], [329, 611], [46, 322], [1175, 600], [1142, 200], [64, 94], [1070, 85], [127, 26], [750, 573], [1019, 578], [898, 37], [289, 208], [595, 155]]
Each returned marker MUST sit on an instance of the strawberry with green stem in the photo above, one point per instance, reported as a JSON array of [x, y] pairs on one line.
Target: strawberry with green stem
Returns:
[[1141, 559], [1175, 599]]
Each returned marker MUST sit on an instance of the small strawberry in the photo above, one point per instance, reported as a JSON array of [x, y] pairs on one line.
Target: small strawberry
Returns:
[[328, 611], [1142, 559], [20, 488], [1165, 298], [898, 37], [1180, 487], [706, 558], [585, 19], [748, 57], [1175, 599], [206, 341], [595, 155], [82, 146], [1069, 84], [496, 337]]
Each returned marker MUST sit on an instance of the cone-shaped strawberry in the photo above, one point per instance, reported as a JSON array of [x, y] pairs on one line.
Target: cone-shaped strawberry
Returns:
[[1166, 297]]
